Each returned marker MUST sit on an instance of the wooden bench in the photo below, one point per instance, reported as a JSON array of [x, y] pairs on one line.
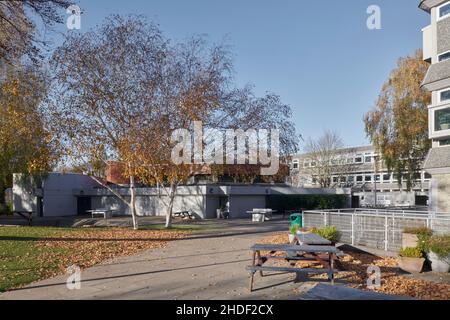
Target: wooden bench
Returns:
[[323, 255]]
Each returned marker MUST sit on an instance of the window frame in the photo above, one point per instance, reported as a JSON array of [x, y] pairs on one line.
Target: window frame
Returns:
[[442, 54], [440, 96], [439, 18]]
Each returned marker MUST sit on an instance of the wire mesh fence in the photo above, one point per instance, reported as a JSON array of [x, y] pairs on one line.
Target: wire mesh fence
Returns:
[[379, 229]]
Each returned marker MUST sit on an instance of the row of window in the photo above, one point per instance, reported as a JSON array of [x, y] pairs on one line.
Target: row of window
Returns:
[[444, 11], [358, 159], [386, 178]]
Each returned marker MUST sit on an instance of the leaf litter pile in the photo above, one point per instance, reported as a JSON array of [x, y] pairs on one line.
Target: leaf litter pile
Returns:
[[353, 272], [31, 254]]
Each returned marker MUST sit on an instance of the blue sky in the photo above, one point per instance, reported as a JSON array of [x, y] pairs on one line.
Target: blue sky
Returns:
[[318, 56]]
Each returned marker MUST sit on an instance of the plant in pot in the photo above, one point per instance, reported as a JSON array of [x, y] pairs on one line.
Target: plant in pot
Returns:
[[439, 253], [330, 233], [292, 233], [416, 237], [411, 259]]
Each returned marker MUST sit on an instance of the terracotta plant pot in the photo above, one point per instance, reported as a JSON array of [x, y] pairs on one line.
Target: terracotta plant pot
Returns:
[[291, 237], [411, 265]]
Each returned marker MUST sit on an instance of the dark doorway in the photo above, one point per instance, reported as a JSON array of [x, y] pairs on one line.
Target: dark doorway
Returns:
[[421, 200], [355, 201], [83, 204], [40, 206]]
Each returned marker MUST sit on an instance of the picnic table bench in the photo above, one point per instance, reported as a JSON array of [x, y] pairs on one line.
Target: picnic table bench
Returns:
[[106, 213], [265, 213], [324, 255], [27, 215], [183, 214]]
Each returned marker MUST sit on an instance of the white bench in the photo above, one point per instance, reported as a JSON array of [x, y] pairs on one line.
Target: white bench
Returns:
[[106, 213]]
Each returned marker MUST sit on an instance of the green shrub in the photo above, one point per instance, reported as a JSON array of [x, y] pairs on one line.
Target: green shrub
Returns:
[[419, 231], [440, 245], [307, 202], [293, 229], [423, 235], [330, 233], [411, 252]]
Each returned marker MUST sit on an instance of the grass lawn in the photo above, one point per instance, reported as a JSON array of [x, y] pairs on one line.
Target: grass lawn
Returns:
[[28, 254]]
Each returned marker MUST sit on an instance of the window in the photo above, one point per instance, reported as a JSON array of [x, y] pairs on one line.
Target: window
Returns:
[[367, 159], [313, 164], [444, 56], [444, 10], [335, 179], [417, 176], [351, 179], [444, 95], [443, 143], [343, 179], [386, 177], [427, 176], [377, 178], [442, 119], [358, 159], [368, 178], [359, 178], [295, 164]]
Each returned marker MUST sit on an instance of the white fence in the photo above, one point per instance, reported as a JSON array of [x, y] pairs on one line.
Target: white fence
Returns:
[[376, 228]]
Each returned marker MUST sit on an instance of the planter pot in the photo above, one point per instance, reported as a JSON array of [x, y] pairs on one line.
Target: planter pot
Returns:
[[411, 265], [438, 264], [409, 240], [291, 237]]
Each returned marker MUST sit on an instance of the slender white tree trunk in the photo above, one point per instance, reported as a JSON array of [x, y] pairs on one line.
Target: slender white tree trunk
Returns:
[[170, 206], [133, 203]]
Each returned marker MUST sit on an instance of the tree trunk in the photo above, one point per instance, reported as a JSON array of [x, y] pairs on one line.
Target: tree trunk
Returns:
[[170, 206], [133, 203]]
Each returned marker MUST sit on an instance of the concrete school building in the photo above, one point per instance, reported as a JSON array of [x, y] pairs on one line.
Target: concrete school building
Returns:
[[436, 51], [362, 171], [70, 194]]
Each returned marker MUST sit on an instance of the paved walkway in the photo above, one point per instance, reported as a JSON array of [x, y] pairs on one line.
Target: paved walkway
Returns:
[[206, 266]]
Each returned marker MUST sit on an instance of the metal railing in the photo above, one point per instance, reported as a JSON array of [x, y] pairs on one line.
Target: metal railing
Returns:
[[376, 228]]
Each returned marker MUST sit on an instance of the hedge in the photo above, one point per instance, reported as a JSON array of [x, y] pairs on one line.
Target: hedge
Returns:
[[307, 202]]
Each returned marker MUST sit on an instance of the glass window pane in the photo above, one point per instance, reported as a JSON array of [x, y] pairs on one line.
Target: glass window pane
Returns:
[[442, 119], [445, 95], [444, 142], [444, 57], [444, 10]]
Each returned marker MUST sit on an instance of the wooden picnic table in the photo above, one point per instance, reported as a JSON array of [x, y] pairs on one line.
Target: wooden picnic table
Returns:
[[303, 238], [324, 255]]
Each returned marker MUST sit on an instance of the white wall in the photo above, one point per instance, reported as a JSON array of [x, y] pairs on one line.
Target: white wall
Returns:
[[239, 205]]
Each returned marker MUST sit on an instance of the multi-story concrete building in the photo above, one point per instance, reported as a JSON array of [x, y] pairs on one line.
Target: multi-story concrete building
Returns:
[[361, 170], [436, 48]]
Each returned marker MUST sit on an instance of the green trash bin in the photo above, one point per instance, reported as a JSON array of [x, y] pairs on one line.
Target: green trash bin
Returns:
[[296, 220]]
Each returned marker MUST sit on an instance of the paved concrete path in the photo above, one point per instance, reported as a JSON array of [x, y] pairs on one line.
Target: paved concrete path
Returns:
[[206, 266]]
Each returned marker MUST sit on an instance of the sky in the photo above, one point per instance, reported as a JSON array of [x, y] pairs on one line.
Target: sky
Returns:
[[319, 56]]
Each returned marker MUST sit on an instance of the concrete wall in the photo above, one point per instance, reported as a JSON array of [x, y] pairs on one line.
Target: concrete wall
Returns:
[[240, 204], [152, 205], [57, 192], [441, 193], [59, 189], [24, 194], [394, 199]]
